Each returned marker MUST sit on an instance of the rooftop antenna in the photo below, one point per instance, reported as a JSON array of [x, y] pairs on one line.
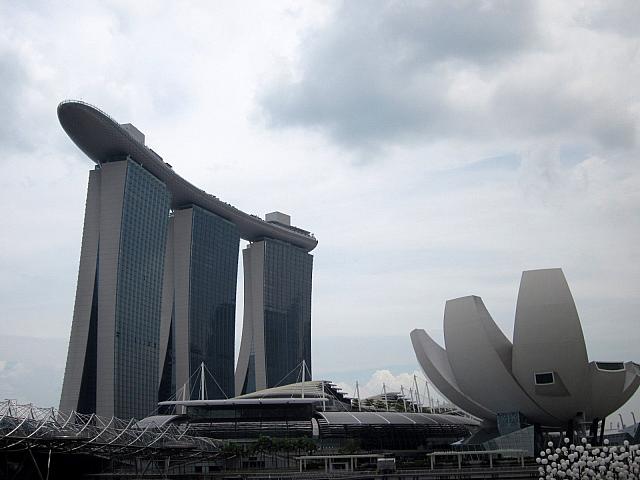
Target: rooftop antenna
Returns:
[[634, 418], [324, 397], [415, 381], [358, 394], [386, 402], [621, 420]]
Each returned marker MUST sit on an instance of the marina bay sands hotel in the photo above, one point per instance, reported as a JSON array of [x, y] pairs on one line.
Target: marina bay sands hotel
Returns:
[[156, 292]]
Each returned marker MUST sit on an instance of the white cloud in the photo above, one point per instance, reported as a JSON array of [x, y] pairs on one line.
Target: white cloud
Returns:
[[385, 379], [415, 72]]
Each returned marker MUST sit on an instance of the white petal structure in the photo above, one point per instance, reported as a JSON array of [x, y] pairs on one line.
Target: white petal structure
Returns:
[[433, 359], [545, 374], [612, 384], [548, 344], [480, 357]]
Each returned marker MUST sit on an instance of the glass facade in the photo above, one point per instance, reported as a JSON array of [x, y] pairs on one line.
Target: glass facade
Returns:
[[287, 311], [212, 300], [139, 291]]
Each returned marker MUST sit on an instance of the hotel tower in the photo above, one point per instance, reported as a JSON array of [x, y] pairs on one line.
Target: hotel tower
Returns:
[[156, 293]]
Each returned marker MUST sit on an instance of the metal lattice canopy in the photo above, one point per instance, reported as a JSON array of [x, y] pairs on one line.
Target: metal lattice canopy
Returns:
[[27, 426]]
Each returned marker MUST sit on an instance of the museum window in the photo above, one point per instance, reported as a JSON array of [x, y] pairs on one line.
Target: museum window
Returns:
[[545, 378]]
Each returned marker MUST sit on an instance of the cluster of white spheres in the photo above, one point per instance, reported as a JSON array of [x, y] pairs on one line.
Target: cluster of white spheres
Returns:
[[586, 462]]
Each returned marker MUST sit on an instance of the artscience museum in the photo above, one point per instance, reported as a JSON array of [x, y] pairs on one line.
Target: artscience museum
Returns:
[[543, 378]]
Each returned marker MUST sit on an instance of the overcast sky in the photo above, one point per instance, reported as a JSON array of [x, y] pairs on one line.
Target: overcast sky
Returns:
[[436, 149]]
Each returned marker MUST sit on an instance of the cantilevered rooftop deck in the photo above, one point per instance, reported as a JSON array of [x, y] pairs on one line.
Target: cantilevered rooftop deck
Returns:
[[103, 140]]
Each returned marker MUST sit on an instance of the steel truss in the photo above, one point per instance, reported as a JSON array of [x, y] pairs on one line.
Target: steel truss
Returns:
[[25, 427]]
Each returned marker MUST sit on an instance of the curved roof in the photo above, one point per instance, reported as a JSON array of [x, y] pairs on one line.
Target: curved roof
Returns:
[[101, 138], [395, 418]]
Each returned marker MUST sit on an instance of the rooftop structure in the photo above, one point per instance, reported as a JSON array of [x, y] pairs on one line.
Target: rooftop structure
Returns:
[[102, 139]]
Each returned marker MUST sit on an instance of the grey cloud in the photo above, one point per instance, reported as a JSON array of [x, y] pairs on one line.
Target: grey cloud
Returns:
[[478, 32], [390, 72], [354, 110], [620, 17], [31, 369], [376, 73], [546, 107], [13, 132]]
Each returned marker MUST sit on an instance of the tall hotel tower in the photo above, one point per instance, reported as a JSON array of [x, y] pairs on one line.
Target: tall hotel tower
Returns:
[[276, 330], [156, 294], [199, 303], [114, 334]]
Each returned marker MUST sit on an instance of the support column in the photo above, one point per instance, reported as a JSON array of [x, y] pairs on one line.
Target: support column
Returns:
[[570, 431], [593, 431]]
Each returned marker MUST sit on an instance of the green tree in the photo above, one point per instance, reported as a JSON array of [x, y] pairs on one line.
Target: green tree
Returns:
[[263, 445], [306, 445], [350, 447]]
